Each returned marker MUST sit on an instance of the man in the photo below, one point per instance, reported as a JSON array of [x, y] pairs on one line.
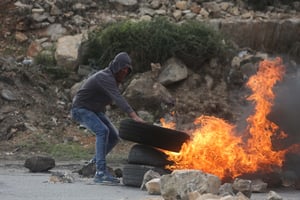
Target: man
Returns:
[[88, 108]]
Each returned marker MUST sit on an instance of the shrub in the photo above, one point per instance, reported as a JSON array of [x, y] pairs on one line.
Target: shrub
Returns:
[[154, 41], [45, 58], [262, 5], [47, 63]]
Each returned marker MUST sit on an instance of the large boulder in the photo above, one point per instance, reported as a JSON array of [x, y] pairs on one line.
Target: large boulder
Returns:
[[66, 53], [180, 183], [145, 93]]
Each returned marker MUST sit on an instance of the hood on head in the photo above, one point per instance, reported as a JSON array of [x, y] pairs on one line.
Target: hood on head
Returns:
[[120, 61]]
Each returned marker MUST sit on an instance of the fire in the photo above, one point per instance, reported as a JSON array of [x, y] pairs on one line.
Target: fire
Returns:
[[218, 149]]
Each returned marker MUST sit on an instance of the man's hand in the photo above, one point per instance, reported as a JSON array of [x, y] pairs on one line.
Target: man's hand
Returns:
[[135, 117]]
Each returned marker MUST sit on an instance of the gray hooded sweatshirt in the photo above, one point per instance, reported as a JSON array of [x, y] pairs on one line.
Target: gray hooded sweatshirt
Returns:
[[101, 89]]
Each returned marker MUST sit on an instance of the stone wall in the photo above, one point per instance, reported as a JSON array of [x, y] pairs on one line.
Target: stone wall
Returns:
[[274, 36]]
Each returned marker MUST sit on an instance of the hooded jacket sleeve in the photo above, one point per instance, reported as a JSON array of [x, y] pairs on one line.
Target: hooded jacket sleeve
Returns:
[[111, 88]]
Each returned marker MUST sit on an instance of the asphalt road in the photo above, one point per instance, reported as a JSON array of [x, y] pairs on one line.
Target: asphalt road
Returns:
[[17, 183]]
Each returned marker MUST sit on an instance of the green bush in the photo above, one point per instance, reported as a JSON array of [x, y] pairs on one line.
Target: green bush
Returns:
[[45, 58], [263, 4], [47, 63], [154, 41]]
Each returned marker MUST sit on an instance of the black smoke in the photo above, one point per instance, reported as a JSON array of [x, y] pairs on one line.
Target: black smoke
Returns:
[[286, 114], [286, 110]]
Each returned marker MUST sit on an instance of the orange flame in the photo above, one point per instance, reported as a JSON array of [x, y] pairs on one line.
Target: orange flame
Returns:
[[215, 146]]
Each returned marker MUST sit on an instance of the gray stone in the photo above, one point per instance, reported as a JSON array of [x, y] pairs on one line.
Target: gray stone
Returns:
[[173, 71], [8, 95], [182, 182], [39, 163]]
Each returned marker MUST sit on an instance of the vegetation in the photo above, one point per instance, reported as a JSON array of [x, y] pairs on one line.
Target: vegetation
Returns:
[[72, 151], [47, 62], [154, 41], [45, 58], [38, 142], [263, 5]]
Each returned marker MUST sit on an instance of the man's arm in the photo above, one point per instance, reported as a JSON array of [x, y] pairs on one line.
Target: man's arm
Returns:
[[135, 117]]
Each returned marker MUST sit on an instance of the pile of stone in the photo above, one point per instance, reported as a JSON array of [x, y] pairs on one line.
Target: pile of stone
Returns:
[[42, 23]]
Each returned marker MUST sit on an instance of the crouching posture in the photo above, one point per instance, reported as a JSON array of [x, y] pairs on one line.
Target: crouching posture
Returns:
[[88, 109]]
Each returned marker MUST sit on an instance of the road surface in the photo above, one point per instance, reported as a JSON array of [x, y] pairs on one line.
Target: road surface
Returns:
[[17, 183]]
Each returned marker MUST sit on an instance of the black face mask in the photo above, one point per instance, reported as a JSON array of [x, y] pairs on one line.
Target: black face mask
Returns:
[[122, 74]]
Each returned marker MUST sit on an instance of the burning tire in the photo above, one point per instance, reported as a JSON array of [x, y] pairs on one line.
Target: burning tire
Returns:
[[133, 175], [152, 135], [147, 155]]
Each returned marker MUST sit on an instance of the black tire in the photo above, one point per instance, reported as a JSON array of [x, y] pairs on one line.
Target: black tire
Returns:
[[152, 135], [147, 155], [133, 175]]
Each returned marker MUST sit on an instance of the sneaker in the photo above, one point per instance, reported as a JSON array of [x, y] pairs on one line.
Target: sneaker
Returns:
[[106, 179]]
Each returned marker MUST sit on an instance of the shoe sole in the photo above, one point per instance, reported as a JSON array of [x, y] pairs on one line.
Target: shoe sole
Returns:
[[104, 183], [108, 183]]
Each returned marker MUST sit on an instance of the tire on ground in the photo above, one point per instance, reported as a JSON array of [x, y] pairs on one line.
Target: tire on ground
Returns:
[[152, 135], [133, 175], [147, 155]]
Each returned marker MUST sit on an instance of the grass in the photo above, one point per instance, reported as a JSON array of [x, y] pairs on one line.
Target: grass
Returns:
[[72, 151], [37, 143], [83, 149]]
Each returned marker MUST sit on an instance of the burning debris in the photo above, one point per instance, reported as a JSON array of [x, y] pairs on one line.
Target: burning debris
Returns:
[[218, 148]]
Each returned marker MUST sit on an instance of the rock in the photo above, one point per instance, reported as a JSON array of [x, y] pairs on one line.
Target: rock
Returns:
[[226, 189], [181, 182], [34, 49], [39, 163], [66, 53], [173, 71], [259, 186], [123, 5], [21, 37], [8, 95], [145, 94], [273, 196], [148, 176], [59, 177], [88, 170], [153, 186], [242, 185]]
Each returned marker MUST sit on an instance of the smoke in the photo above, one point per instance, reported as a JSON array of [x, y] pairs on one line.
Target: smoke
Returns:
[[286, 110], [286, 114]]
